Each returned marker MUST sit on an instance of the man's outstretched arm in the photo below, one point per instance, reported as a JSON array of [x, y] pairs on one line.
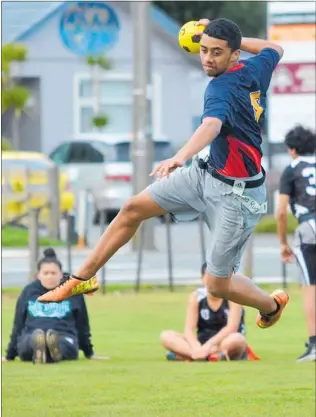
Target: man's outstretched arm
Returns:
[[203, 136]]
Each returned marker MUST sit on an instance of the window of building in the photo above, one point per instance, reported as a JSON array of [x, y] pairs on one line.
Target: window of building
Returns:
[[116, 102]]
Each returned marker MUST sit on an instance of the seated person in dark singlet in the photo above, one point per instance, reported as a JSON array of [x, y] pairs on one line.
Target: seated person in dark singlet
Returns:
[[214, 330]]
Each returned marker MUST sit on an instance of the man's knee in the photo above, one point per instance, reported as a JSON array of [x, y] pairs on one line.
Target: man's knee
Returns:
[[218, 287], [131, 209], [141, 207]]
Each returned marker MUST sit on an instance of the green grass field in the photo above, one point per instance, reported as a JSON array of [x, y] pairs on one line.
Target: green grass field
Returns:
[[138, 382], [16, 237]]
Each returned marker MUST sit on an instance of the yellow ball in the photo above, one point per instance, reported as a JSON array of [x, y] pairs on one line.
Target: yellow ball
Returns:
[[188, 40]]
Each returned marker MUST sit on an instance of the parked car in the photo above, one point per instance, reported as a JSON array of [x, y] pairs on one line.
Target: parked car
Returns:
[[104, 168], [37, 164]]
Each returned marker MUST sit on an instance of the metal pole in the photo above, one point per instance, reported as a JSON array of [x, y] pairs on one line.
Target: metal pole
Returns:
[[169, 251], [27, 191], [268, 130], [284, 283], [33, 242], [68, 240], [140, 256], [103, 220], [54, 207], [82, 218], [142, 147], [16, 129]]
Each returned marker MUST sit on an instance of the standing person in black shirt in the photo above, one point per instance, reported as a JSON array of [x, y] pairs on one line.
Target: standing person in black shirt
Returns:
[[298, 188], [214, 330], [49, 332]]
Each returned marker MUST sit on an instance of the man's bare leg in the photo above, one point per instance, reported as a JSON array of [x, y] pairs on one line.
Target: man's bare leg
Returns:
[[119, 232], [242, 290]]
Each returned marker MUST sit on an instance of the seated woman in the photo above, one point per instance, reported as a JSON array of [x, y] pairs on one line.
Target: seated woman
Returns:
[[214, 330], [49, 332]]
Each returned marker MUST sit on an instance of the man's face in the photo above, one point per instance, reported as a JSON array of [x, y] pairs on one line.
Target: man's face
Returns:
[[216, 56]]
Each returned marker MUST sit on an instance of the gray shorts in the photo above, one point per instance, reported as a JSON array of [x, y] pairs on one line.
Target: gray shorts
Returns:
[[304, 248], [231, 215]]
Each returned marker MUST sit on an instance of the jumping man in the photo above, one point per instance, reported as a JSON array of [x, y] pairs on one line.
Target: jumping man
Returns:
[[228, 188]]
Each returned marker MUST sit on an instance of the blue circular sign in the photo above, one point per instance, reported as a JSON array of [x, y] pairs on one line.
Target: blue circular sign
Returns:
[[89, 28]]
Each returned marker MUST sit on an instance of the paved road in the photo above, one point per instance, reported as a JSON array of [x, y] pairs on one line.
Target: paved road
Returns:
[[186, 259]]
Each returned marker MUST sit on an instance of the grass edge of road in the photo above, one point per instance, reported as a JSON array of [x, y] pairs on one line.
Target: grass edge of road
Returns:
[[13, 237], [17, 238]]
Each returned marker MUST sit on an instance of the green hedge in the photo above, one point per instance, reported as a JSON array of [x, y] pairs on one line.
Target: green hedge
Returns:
[[268, 224]]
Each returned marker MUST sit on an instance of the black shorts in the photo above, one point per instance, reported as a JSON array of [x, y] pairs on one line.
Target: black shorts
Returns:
[[306, 261], [68, 347]]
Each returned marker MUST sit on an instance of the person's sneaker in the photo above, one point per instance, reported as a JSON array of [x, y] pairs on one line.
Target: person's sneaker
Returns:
[[172, 356], [217, 357], [68, 288], [309, 355], [86, 287], [267, 320], [38, 346], [52, 341]]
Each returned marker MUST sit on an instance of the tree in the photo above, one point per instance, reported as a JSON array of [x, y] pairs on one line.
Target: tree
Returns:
[[13, 96], [249, 15], [5, 145], [99, 119]]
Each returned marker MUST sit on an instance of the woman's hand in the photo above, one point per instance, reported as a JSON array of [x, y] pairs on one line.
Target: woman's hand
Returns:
[[204, 351], [100, 358], [200, 353]]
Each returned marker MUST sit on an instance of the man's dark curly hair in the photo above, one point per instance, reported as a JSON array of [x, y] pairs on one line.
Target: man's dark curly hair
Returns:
[[226, 30], [302, 140]]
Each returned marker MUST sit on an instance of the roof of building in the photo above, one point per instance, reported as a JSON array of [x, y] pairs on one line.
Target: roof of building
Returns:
[[20, 19]]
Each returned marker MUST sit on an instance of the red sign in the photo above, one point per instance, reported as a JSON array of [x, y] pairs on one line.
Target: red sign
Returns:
[[294, 79]]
